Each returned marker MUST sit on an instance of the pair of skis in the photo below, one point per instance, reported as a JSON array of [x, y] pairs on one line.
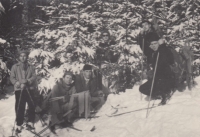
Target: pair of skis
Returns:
[[114, 114], [39, 134]]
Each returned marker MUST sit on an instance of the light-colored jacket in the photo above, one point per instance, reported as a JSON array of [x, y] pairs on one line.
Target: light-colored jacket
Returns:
[[18, 75]]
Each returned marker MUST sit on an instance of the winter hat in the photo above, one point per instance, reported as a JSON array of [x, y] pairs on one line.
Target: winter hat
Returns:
[[20, 51], [104, 30], [87, 67], [154, 38], [68, 73]]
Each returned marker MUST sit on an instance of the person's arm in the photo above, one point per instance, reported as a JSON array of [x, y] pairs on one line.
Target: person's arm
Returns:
[[78, 83], [33, 76], [13, 78]]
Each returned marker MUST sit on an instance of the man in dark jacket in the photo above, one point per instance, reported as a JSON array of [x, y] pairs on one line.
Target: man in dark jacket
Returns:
[[85, 82], [164, 77], [23, 78], [146, 36], [105, 51]]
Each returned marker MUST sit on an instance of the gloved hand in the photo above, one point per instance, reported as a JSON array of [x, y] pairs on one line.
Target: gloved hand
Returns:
[[17, 84], [24, 81], [23, 86], [150, 74], [38, 109]]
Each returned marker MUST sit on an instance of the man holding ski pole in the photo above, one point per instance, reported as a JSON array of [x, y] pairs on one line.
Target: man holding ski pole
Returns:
[[23, 78], [162, 82]]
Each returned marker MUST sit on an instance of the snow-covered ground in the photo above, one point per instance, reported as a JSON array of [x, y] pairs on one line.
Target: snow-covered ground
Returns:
[[179, 118]]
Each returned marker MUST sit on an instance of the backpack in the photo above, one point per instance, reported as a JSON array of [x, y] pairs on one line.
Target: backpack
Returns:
[[178, 67]]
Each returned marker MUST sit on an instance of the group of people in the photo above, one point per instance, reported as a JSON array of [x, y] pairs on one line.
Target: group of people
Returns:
[[72, 96], [79, 95]]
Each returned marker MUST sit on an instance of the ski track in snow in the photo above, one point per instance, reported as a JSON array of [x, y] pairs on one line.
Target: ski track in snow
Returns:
[[179, 118]]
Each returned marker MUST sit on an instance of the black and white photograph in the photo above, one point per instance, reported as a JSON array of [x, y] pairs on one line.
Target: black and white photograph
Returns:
[[100, 68]]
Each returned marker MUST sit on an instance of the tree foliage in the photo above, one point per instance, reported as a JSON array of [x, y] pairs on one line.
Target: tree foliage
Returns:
[[65, 34]]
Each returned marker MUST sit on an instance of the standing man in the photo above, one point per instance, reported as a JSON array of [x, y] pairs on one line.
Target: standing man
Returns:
[[104, 51], [164, 77], [23, 78], [147, 34]]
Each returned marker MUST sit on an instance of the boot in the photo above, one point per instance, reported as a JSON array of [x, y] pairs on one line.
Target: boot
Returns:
[[52, 127], [163, 101], [30, 126], [18, 130]]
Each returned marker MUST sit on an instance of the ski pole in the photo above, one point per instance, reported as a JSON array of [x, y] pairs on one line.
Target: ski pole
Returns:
[[142, 64], [152, 83], [17, 111], [42, 122]]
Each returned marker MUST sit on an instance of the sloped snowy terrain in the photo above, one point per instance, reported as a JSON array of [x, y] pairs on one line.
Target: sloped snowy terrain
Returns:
[[179, 118]]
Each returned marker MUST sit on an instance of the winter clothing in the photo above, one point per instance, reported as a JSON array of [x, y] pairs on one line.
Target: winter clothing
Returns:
[[148, 38], [68, 73], [87, 67], [62, 106], [23, 78], [20, 74], [20, 113], [82, 85], [164, 77], [188, 56], [23, 51]]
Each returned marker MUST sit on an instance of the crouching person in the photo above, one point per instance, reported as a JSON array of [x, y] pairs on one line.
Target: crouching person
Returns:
[[62, 102], [89, 97], [23, 78], [164, 77]]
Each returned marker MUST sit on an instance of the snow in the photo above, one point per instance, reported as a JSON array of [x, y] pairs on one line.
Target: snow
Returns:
[[179, 118], [2, 41]]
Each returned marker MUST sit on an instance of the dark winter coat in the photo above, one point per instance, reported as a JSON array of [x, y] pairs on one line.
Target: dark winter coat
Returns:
[[164, 78], [80, 85], [148, 38], [164, 61]]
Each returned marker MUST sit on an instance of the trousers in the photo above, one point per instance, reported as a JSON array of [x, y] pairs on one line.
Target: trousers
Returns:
[[25, 98]]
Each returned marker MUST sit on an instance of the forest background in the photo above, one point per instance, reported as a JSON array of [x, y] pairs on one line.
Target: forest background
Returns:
[[64, 34]]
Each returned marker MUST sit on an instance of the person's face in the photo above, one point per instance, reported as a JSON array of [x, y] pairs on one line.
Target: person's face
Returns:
[[154, 45], [105, 36], [23, 57], [146, 26], [87, 73], [68, 79]]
